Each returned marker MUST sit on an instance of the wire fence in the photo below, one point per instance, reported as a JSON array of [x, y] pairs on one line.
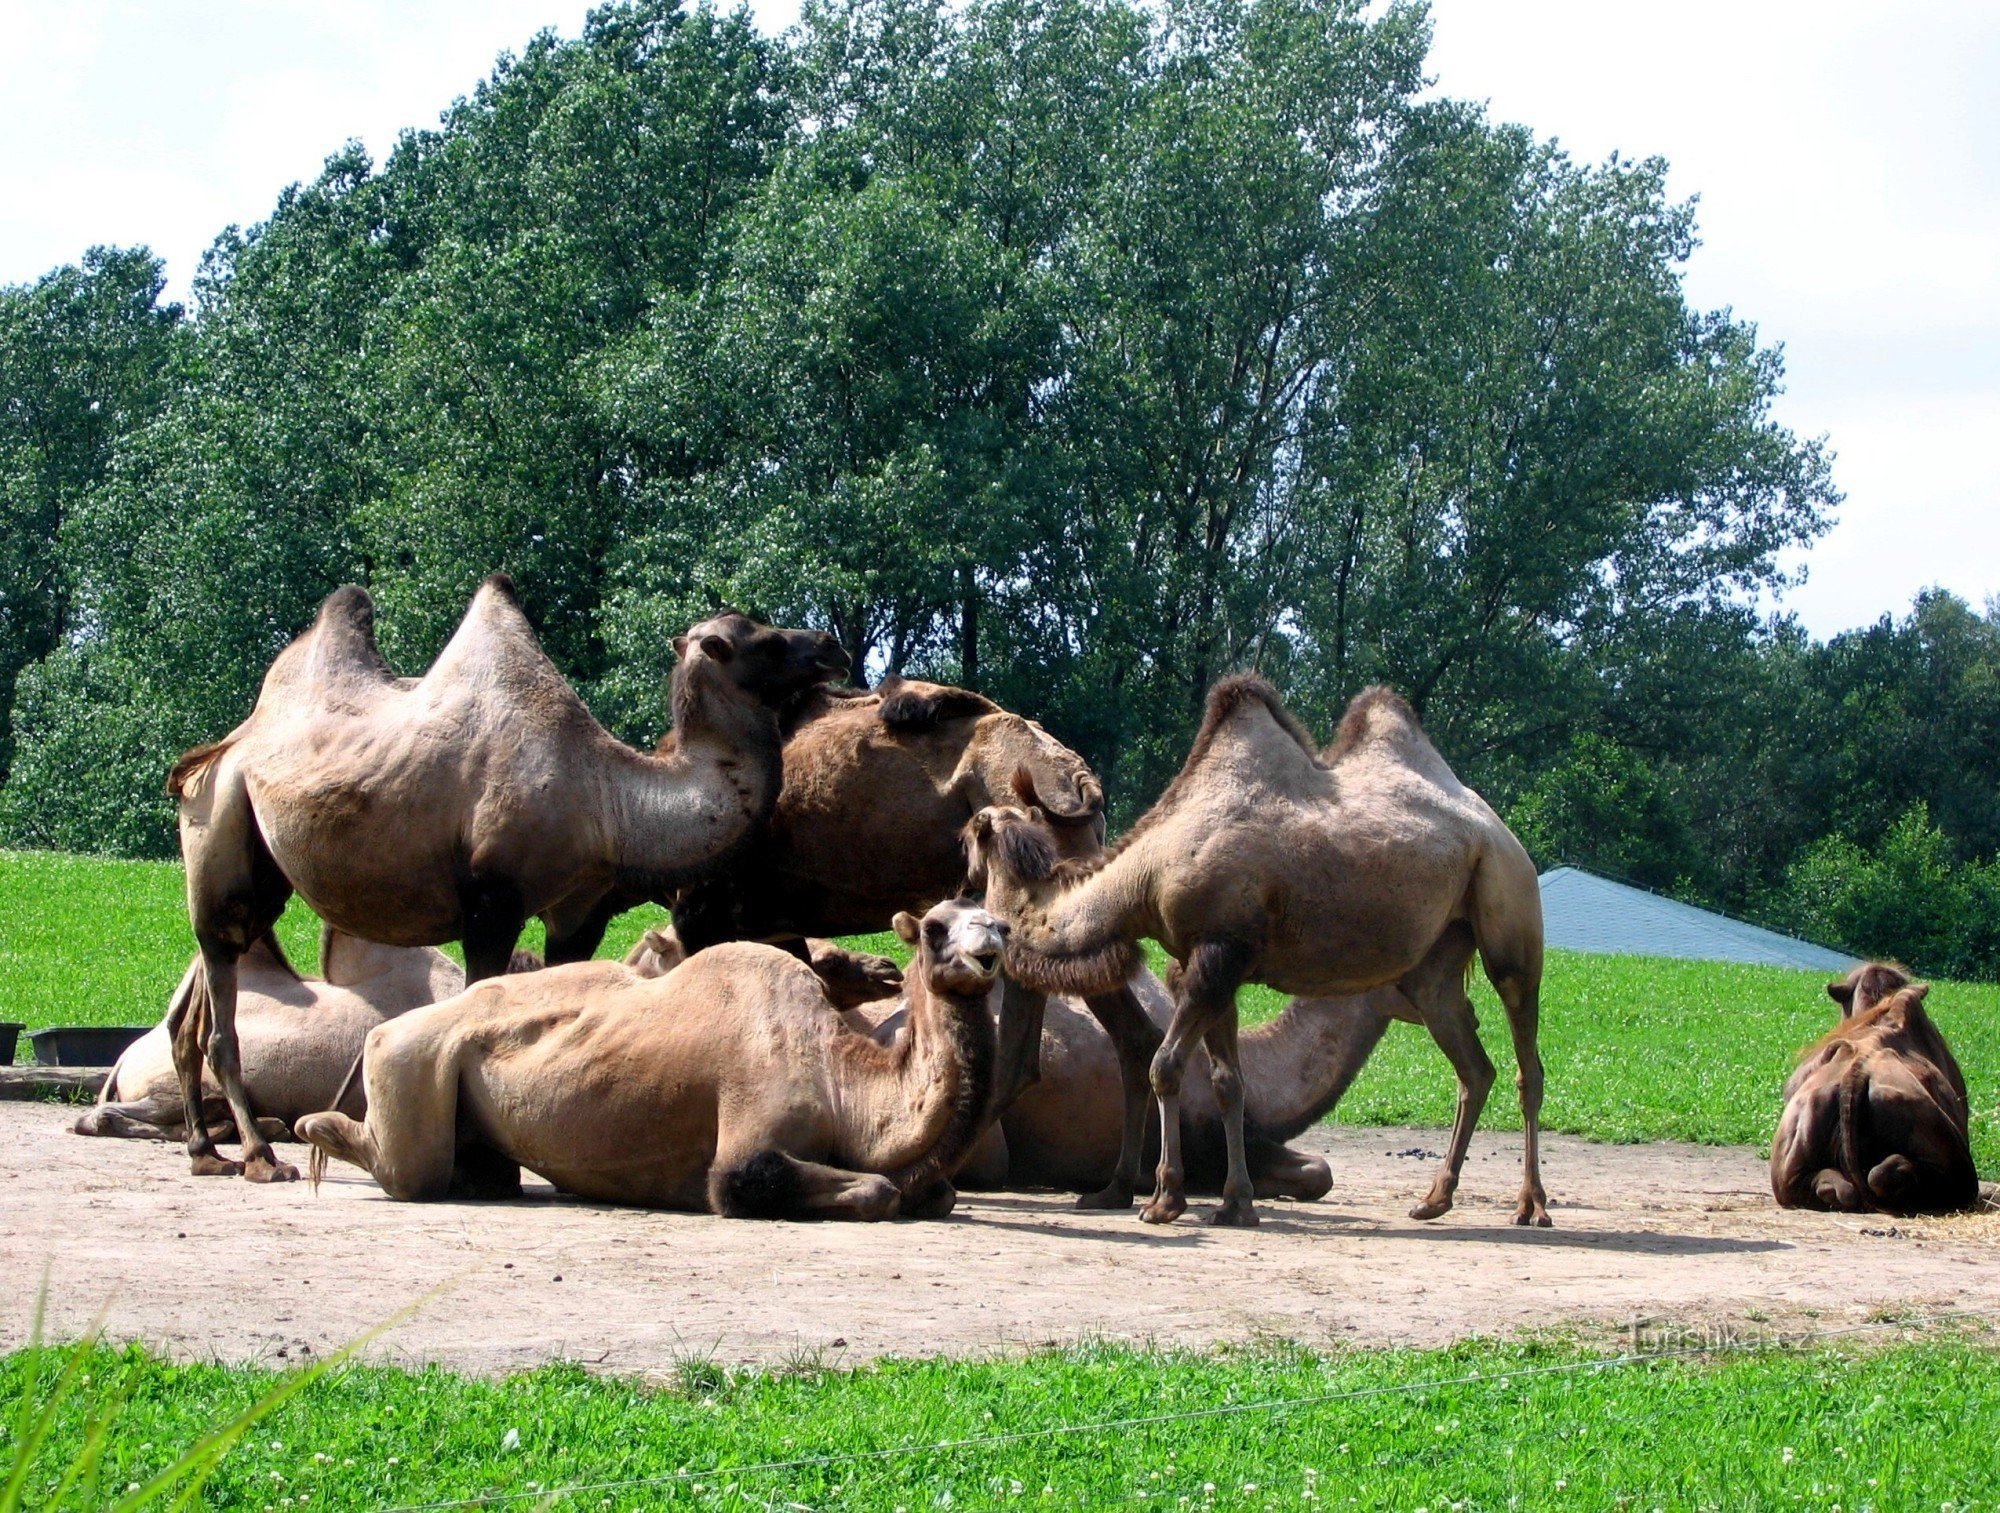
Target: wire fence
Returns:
[[555, 1496]]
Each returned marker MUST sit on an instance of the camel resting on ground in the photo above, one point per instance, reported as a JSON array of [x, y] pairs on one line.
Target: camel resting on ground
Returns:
[[1876, 1114], [456, 805], [1319, 875], [851, 978], [730, 1084]]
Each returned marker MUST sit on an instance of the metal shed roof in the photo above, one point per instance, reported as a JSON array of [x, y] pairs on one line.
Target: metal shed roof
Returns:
[[1584, 912]]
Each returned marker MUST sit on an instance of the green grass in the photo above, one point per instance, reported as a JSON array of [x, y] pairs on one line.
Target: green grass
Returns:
[[1636, 1048], [1910, 1426]]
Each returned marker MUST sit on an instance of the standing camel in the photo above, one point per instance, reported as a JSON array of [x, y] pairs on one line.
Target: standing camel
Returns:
[[456, 805], [878, 788], [729, 1085], [1264, 861]]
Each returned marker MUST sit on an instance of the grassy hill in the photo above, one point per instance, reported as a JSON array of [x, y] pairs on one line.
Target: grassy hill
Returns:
[[1636, 1048]]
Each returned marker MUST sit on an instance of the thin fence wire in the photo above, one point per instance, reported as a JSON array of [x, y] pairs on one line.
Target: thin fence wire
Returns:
[[554, 1496]]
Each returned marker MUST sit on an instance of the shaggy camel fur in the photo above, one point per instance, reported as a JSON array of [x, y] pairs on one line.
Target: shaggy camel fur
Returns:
[[297, 1036], [456, 805], [729, 1084], [1876, 1114], [851, 978], [1266, 862], [878, 787]]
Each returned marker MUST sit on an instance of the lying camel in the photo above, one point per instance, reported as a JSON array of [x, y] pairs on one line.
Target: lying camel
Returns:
[[1876, 1115], [878, 787], [297, 1035], [1264, 861], [728, 1085], [456, 805]]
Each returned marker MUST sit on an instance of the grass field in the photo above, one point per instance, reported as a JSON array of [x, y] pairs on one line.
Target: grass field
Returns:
[[1912, 1426], [1636, 1048]]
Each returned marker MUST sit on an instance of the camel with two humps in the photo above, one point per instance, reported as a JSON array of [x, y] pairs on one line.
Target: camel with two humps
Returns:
[[456, 805], [1318, 874], [1876, 1115], [728, 1085]]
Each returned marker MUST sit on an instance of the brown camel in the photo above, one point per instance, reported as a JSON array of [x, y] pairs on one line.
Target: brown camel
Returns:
[[729, 1085], [878, 787], [1264, 861], [297, 1037], [1876, 1115], [454, 806]]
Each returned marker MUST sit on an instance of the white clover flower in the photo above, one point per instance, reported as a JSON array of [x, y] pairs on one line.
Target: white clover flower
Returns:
[[1788, 1455], [511, 1440]]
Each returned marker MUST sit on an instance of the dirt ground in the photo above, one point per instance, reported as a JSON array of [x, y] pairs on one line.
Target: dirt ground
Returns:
[[220, 1269]]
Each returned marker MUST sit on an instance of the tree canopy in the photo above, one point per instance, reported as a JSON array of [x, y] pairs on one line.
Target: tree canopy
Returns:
[[1076, 350]]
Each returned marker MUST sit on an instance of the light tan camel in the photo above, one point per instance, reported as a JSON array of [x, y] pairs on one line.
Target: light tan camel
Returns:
[[297, 1036], [878, 787], [1263, 861], [730, 1084], [455, 806], [1876, 1116]]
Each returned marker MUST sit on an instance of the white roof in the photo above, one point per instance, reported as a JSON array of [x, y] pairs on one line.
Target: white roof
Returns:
[[1584, 912]]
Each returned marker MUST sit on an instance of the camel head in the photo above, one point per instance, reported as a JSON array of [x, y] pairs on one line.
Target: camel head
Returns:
[[771, 665], [1867, 985], [958, 946], [1012, 856], [1014, 756]]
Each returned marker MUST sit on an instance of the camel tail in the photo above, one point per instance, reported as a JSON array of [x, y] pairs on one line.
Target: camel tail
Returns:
[[185, 780], [1853, 1118], [767, 1186], [316, 1167]]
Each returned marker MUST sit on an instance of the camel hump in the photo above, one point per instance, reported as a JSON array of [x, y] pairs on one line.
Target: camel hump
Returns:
[[502, 584], [1374, 714], [1248, 693], [340, 644]]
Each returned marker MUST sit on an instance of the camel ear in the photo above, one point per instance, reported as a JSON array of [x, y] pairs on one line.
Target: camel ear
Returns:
[[906, 928], [1919, 991], [680, 647], [717, 647], [1841, 993]]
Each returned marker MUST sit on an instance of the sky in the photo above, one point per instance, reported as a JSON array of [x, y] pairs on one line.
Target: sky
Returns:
[[1846, 155]]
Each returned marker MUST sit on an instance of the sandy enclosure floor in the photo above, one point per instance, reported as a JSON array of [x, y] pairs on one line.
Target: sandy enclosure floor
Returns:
[[219, 1268]]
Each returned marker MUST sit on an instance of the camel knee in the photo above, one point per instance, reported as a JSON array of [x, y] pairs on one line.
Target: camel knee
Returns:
[[1226, 1083], [1834, 1191], [1168, 1070]]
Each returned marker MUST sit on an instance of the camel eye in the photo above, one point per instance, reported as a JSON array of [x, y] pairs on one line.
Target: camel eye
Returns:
[[933, 934]]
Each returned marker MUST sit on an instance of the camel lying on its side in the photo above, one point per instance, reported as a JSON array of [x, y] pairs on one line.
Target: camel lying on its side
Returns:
[[730, 1084], [1876, 1114], [299, 1035], [1266, 860]]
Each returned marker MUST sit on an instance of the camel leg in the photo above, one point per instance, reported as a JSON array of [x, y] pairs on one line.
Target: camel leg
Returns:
[[1281, 1172], [1520, 992], [260, 1162], [1455, 1029], [773, 1185], [157, 1117], [409, 1143], [581, 940], [1137, 1041], [1834, 1191], [493, 920], [1017, 1061], [1225, 1075], [1206, 989]]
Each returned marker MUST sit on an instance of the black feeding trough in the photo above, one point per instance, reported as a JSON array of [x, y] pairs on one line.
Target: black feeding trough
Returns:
[[84, 1045], [10, 1035]]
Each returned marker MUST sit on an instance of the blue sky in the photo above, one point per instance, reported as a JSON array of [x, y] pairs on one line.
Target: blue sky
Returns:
[[1846, 154]]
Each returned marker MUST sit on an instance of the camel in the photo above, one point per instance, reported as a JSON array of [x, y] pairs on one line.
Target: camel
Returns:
[[453, 806], [1318, 875], [297, 1036], [878, 787], [729, 1085], [1876, 1115]]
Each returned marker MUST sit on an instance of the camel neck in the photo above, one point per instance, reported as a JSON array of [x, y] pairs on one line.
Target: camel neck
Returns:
[[1078, 939], [682, 813], [942, 1070], [1297, 1067]]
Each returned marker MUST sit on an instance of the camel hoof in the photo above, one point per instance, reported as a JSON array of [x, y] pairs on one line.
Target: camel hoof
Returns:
[[266, 1169], [1235, 1216], [1117, 1195], [214, 1166], [1163, 1210], [934, 1202], [1430, 1208], [1538, 1216]]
